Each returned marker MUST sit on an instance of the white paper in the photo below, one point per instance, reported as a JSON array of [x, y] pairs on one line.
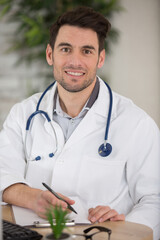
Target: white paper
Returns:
[[82, 214], [26, 217]]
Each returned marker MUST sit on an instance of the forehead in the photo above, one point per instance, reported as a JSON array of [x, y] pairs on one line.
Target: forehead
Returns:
[[77, 36]]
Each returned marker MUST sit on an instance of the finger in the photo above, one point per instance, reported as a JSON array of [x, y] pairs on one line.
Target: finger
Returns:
[[119, 217], [93, 211], [97, 213], [90, 210], [54, 201], [47, 199], [110, 214], [44, 201], [41, 208], [67, 199], [42, 213]]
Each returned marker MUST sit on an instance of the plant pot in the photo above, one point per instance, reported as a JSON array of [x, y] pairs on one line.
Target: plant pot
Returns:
[[64, 236]]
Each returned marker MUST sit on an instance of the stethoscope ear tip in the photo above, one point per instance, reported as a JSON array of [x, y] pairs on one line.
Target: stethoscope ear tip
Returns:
[[105, 150]]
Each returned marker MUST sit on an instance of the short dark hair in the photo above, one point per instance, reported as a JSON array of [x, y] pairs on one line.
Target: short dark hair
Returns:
[[83, 17]]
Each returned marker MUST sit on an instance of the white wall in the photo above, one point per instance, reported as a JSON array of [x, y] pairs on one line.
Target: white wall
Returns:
[[134, 66]]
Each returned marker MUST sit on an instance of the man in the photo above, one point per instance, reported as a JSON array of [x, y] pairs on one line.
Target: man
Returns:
[[64, 153]]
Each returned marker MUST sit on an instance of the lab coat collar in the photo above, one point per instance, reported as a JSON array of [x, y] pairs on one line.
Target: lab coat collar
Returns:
[[48, 101], [100, 107]]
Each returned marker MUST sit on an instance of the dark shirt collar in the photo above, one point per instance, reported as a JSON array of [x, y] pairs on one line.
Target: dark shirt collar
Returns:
[[91, 100]]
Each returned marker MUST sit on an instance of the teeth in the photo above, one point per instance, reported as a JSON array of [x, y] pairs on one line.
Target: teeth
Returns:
[[75, 73]]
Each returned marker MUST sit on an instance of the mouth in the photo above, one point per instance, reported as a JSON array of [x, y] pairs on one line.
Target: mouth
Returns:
[[75, 74]]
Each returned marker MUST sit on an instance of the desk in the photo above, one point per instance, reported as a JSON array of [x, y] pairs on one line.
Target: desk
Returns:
[[120, 230]]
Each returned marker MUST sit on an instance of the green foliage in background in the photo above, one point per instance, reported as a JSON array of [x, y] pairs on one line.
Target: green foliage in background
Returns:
[[34, 18]]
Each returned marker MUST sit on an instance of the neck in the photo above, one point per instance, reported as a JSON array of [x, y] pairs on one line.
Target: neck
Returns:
[[72, 103]]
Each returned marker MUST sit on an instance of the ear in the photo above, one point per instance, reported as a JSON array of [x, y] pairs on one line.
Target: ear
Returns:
[[101, 58], [49, 56]]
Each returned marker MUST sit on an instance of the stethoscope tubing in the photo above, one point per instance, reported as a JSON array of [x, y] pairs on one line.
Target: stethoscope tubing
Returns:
[[45, 114], [109, 112], [40, 99]]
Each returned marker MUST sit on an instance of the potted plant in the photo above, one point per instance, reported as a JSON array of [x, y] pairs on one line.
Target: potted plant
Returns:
[[58, 224]]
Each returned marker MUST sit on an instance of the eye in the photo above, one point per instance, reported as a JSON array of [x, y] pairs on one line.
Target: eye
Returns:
[[87, 51], [65, 49]]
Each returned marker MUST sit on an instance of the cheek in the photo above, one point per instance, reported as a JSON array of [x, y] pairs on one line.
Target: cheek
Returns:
[[59, 63], [92, 65]]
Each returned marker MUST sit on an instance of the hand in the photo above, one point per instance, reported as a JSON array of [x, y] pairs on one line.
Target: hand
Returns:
[[103, 213], [45, 199]]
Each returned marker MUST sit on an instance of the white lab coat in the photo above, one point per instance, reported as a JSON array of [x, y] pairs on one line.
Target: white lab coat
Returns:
[[128, 180]]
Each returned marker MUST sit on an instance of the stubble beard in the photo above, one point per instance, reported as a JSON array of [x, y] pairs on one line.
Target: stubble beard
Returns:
[[73, 88]]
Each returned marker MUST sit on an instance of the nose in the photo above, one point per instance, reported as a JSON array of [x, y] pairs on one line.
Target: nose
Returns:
[[75, 59]]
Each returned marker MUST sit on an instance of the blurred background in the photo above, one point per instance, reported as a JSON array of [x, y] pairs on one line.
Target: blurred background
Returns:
[[132, 66]]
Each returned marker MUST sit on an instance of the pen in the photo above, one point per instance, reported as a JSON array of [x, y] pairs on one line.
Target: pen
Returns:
[[60, 198]]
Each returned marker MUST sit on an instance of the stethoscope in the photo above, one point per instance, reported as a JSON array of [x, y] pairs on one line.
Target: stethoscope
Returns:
[[104, 150]]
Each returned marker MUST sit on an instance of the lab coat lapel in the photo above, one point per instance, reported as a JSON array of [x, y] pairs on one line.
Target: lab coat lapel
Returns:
[[85, 127], [89, 122]]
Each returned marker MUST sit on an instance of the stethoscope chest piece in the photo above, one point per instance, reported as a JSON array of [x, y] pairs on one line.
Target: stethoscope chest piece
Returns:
[[105, 150]]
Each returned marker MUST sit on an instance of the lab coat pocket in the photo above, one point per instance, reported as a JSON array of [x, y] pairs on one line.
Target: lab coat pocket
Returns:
[[100, 179]]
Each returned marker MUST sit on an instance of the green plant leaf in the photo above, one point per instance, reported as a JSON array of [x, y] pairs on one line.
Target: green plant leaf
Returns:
[[60, 217], [5, 10]]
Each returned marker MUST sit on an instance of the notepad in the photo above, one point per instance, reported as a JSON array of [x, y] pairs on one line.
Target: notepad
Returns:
[[26, 217]]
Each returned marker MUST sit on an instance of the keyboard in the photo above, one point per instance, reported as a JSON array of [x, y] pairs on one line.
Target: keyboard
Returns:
[[12, 231]]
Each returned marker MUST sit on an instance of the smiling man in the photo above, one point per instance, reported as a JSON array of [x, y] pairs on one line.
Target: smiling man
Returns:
[[66, 124], [75, 59]]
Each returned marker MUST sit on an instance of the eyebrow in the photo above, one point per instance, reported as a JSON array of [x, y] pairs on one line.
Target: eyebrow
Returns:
[[89, 47], [63, 44]]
